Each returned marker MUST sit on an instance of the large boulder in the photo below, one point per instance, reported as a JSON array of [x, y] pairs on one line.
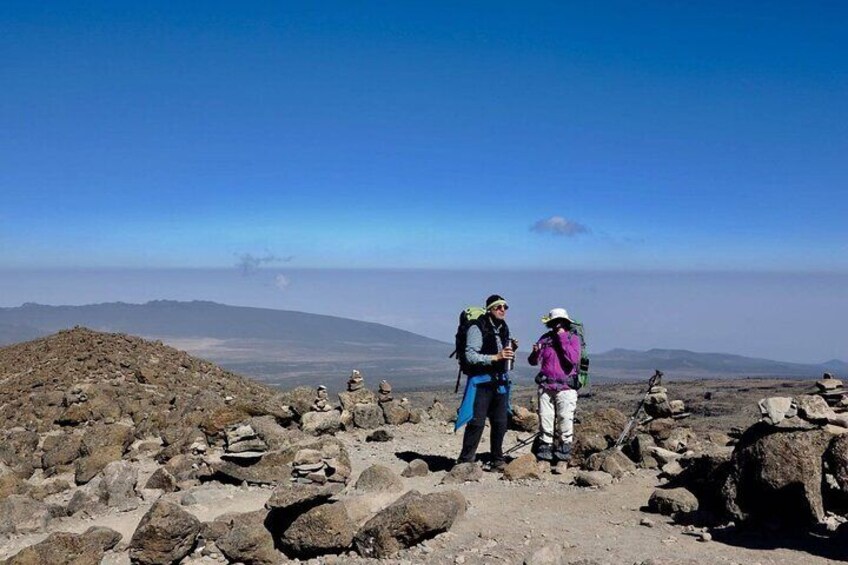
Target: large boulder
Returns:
[[63, 548], [394, 413], [597, 431], [408, 521], [247, 540], [776, 476], [349, 399], [367, 416], [323, 529], [60, 449], [299, 399], [271, 468], [837, 458], [87, 467], [107, 435], [20, 514], [166, 534], [320, 423], [117, 487]]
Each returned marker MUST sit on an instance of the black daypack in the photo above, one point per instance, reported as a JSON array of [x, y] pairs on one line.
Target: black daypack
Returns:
[[467, 317]]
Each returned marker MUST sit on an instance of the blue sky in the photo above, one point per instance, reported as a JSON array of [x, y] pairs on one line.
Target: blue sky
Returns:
[[636, 136]]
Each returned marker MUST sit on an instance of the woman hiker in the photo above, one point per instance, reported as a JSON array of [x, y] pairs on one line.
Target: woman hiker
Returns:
[[558, 355]]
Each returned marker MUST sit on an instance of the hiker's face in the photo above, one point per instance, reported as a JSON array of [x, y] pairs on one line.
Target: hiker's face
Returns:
[[499, 311]]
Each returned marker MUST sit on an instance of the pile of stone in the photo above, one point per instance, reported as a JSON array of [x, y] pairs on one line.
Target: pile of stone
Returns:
[[244, 443], [806, 411], [832, 391], [321, 403], [309, 467], [355, 382], [657, 404], [384, 392]]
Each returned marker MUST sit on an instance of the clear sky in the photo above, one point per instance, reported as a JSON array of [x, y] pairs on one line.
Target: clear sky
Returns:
[[603, 135]]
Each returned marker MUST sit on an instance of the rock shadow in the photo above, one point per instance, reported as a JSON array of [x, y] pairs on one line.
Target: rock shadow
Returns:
[[829, 546], [435, 463]]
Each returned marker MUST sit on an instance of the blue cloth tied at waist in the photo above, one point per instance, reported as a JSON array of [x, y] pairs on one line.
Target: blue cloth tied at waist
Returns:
[[466, 409]]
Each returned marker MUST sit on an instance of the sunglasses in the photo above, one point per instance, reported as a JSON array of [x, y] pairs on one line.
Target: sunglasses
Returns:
[[503, 307]]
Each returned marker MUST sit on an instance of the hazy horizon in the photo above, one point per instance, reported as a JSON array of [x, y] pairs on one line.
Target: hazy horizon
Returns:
[[796, 317]]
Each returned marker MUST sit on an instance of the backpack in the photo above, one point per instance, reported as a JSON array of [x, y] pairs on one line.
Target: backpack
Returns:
[[467, 317], [581, 379], [583, 370]]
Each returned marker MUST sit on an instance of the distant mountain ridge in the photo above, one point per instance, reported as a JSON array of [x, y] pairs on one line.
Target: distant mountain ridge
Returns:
[[286, 348], [682, 362]]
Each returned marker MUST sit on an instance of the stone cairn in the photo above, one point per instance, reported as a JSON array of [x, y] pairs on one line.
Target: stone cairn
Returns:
[[355, 382], [321, 403], [244, 443], [384, 393], [309, 467], [832, 391], [657, 404]]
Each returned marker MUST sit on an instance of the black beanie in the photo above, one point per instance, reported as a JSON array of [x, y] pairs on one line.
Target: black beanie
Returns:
[[492, 299]]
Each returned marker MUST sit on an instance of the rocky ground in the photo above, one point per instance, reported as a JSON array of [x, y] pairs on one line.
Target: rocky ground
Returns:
[[195, 482]]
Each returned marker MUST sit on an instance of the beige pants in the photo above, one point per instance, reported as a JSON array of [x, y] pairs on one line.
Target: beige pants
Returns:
[[557, 407]]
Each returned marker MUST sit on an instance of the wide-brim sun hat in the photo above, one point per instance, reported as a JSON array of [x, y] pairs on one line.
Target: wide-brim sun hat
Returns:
[[556, 314]]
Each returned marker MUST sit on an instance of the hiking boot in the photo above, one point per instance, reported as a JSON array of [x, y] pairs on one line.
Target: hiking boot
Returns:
[[497, 466], [563, 452], [545, 452]]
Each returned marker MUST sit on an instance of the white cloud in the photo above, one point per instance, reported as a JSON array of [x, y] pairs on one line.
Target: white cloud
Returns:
[[557, 225], [282, 282]]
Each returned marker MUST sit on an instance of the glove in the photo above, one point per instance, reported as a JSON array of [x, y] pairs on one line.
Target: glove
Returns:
[[541, 379]]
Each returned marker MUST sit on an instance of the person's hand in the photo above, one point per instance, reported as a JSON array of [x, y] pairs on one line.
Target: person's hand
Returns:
[[560, 330], [536, 348], [505, 353]]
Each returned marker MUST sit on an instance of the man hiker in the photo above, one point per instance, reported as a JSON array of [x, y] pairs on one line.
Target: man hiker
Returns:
[[558, 354], [488, 352]]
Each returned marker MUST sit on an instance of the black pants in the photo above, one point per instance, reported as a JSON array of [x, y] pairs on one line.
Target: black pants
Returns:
[[487, 403]]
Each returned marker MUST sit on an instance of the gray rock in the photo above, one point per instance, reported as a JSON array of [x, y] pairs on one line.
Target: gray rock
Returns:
[[322, 529], [551, 554], [776, 475], [289, 500], [408, 521], [20, 515], [378, 478], [163, 480], [670, 502], [774, 409], [592, 479], [117, 489], [247, 540], [837, 458], [273, 467], [349, 399], [462, 473], [416, 468], [524, 420], [814, 408], [63, 548], [62, 449], [166, 534], [441, 413], [393, 413], [367, 416], [320, 423], [612, 461]]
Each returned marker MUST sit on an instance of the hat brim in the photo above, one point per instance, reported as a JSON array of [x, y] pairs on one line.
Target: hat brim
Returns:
[[546, 320]]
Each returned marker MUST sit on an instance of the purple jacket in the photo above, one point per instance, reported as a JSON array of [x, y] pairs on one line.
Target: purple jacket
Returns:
[[557, 378]]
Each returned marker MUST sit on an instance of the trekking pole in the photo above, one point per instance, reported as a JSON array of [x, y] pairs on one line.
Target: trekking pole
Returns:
[[522, 443], [631, 423]]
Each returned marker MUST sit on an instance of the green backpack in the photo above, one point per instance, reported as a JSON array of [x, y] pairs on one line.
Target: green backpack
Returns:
[[583, 369]]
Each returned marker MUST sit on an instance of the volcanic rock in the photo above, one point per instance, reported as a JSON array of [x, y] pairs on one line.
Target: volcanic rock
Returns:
[[63, 548], [524, 420], [393, 413], [416, 468], [378, 478], [596, 479], [379, 436], [524, 467], [462, 473], [324, 529], [247, 540], [319, 423], [367, 416], [670, 502], [21, 514], [166, 534], [410, 520], [350, 399], [612, 461]]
